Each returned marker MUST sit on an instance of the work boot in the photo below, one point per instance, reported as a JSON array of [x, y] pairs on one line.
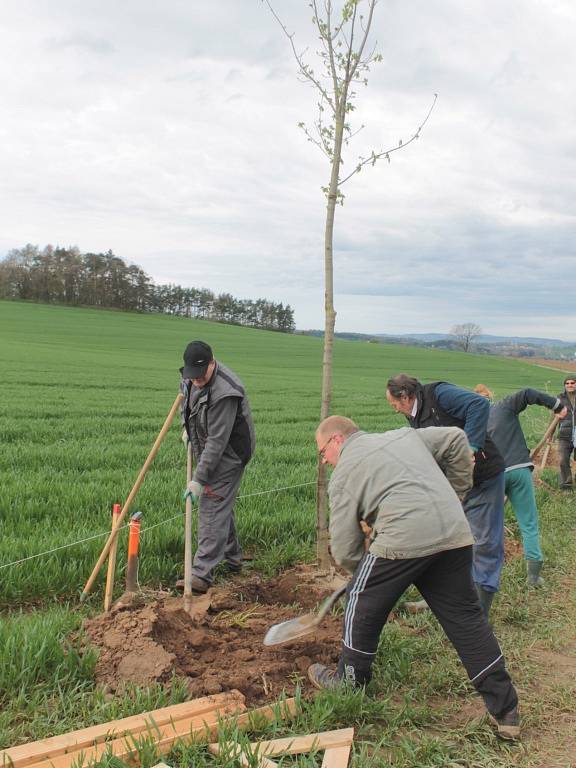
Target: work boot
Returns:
[[199, 586], [508, 725], [534, 567], [323, 678], [485, 599]]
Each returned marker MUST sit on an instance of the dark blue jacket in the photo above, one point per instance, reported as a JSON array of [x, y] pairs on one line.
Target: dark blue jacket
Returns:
[[445, 405]]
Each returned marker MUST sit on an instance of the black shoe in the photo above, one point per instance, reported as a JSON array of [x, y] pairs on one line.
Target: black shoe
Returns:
[[323, 678], [233, 567], [508, 725]]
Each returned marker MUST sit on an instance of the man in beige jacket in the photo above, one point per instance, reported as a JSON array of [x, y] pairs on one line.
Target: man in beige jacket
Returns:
[[406, 485]]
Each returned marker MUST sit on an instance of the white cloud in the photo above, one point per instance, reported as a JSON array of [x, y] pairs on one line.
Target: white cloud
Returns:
[[167, 132]]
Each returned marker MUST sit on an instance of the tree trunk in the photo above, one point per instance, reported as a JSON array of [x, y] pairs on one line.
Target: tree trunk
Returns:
[[330, 321]]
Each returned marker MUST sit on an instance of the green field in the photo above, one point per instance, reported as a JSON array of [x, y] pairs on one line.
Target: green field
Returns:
[[84, 394]]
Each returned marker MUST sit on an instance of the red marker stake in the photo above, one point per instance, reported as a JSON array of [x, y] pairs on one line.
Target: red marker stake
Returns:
[[133, 546]]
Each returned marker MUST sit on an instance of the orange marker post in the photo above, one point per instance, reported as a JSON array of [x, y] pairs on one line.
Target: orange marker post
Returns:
[[111, 562], [133, 546]]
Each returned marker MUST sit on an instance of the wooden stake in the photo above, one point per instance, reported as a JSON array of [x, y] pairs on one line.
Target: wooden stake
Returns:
[[133, 492], [188, 536], [111, 563]]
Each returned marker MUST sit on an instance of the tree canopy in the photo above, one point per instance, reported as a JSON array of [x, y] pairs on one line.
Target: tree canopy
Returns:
[[55, 275]]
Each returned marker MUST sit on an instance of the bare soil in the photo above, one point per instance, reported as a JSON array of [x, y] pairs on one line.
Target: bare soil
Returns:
[[219, 647]]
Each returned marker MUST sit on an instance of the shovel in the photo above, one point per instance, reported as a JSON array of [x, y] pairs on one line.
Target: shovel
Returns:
[[301, 625]]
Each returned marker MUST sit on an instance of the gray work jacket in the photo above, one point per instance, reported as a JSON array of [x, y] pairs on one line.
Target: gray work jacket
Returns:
[[405, 484], [219, 424], [504, 426]]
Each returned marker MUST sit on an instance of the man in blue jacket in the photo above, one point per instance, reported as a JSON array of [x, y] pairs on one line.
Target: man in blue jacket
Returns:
[[441, 404], [504, 428]]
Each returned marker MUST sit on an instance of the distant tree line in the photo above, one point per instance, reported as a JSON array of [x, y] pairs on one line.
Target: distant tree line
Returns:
[[65, 276]]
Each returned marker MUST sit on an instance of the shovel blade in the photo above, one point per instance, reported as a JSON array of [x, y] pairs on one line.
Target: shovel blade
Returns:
[[291, 629]]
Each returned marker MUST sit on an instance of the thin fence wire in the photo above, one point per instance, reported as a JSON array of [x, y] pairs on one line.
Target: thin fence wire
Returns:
[[144, 530]]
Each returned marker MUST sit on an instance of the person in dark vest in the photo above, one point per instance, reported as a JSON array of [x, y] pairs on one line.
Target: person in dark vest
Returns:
[[441, 404], [567, 433], [217, 421], [504, 428]]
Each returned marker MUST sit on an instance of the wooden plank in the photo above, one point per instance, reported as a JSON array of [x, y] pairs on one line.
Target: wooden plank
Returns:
[[338, 743], [293, 745], [125, 747], [336, 757], [33, 752], [186, 730]]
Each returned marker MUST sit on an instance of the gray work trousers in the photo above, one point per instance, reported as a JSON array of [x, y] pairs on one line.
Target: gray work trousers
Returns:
[[217, 538], [565, 451]]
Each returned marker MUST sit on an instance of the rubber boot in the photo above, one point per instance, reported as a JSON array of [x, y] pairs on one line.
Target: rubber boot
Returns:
[[534, 567], [485, 599]]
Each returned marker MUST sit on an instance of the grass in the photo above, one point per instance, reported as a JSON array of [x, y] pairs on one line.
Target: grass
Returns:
[[84, 394]]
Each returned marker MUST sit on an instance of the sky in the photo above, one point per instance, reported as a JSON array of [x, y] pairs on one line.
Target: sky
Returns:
[[167, 131]]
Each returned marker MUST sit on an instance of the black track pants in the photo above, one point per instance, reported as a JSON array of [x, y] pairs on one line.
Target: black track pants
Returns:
[[566, 450], [445, 582]]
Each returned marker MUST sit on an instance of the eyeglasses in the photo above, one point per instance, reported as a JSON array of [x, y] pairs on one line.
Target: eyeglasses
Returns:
[[324, 448]]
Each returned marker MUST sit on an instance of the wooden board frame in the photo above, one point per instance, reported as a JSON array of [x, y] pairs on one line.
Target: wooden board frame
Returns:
[[336, 744]]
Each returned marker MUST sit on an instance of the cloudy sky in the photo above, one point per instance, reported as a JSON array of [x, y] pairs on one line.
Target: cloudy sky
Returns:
[[166, 130]]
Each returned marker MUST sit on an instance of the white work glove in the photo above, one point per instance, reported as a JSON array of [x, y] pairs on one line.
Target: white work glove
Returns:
[[194, 489], [185, 438]]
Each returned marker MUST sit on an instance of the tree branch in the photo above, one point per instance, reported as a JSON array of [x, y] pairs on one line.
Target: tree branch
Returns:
[[304, 70], [387, 152]]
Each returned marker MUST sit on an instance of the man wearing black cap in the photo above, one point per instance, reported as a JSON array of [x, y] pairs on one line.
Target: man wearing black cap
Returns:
[[218, 423]]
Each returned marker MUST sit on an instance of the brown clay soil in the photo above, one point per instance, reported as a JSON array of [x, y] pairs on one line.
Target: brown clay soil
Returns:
[[219, 647]]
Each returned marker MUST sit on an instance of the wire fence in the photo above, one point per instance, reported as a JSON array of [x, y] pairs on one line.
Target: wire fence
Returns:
[[143, 530]]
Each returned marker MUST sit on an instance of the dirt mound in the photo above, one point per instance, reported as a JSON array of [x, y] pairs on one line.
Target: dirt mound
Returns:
[[221, 647]]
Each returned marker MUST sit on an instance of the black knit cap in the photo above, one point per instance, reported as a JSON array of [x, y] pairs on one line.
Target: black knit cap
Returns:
[[197, 357]]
